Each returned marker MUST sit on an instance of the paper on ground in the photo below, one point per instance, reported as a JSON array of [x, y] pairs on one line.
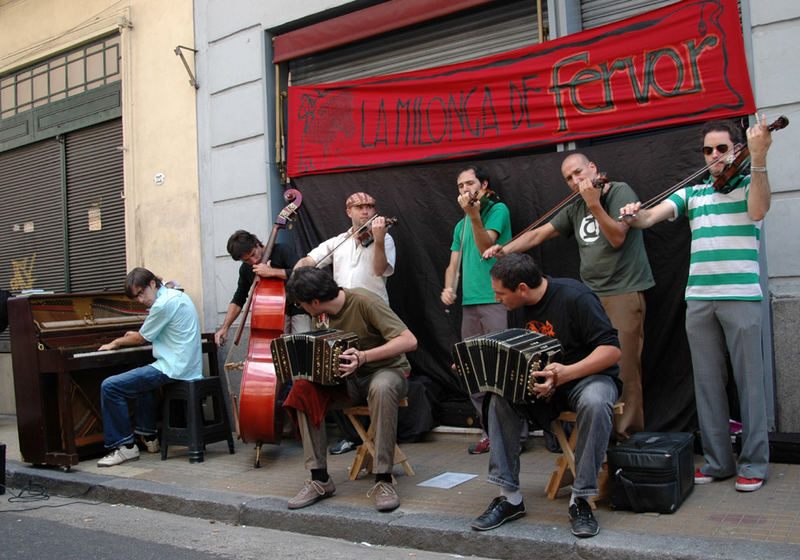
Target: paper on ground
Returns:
[[447, 480]]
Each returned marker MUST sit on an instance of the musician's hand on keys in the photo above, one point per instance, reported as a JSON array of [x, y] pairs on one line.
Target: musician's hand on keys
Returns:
[[109, 346], [547, 387], [349, 360], [448, 296], [493, 251], [629, 211]]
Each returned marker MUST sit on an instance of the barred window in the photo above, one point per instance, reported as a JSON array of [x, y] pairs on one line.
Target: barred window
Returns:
[[62, 76]]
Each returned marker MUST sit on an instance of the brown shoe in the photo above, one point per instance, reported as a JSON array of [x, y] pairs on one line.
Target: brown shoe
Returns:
[[312, 492], [386, 498]]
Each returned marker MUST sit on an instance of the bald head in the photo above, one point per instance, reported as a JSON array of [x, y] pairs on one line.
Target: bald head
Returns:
[[577, 167]]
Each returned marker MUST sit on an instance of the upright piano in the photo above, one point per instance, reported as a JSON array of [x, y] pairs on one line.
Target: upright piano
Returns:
[[58, 370]]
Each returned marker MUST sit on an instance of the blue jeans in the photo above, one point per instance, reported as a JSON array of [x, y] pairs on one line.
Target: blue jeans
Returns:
[[592, 398], [139, 384]]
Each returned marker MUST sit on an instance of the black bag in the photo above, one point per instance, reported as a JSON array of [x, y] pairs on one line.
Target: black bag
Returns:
[[652, 471]]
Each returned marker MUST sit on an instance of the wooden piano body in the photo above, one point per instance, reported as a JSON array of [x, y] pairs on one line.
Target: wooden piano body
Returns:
[[58, 371]]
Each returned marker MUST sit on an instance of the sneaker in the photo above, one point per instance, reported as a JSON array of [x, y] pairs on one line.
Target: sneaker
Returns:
[[700, 478], [583, 522], [118, 456], [748, 484], [386, 498], [151, 445], [342, 447], [312, 492], [498, 512], [481, 447]]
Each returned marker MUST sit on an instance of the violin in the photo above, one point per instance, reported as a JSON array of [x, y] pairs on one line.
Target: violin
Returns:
[[366, 237], [739, 164]]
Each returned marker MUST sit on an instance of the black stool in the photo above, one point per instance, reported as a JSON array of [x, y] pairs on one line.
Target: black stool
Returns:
[[182, 418]]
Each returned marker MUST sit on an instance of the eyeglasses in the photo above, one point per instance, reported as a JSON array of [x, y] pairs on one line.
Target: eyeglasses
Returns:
[[721, 148]]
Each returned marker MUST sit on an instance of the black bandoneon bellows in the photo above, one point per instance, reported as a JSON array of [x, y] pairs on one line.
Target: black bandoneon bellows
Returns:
[[652, 471], [504, 362], [313, 355]]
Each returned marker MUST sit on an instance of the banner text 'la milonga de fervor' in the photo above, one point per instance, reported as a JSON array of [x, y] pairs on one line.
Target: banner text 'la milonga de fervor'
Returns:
[[678, 64]]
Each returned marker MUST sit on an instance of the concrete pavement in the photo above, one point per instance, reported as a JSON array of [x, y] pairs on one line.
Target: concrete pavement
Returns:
[[714, 522]]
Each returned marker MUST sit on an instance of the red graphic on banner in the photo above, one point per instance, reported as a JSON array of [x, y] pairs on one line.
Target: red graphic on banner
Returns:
[[679, 64]]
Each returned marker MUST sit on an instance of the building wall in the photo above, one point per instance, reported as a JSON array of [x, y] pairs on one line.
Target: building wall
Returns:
[[162, 222], [776, 78], [239, 182]]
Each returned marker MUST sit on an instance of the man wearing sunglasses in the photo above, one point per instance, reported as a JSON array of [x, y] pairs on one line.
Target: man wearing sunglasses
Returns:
[[723, 298], [172, 328]]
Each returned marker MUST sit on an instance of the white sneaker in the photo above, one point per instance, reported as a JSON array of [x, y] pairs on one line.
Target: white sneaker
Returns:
[[118, 456], [152, 446]]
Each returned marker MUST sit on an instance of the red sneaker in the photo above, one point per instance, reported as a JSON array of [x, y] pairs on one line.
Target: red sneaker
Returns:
[[481, 447], [748, 484], [700, 478]]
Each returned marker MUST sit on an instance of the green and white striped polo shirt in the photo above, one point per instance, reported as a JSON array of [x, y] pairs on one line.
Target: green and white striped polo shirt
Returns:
[[725, 241]]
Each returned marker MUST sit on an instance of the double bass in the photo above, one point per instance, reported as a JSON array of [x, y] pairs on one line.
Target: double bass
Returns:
[[260, 418]]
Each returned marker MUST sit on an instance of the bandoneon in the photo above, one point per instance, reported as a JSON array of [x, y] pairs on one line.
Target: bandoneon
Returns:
[[504, 362], [313, 355]]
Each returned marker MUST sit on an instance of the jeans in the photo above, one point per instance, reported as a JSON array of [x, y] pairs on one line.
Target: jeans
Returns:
[[139, 384], [593, 399]]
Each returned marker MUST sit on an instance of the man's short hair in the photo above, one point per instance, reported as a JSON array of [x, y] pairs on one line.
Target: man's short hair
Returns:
[[308, 283], [722, 126], [140, 278], [515, 268], [480, 173], [240, 243]]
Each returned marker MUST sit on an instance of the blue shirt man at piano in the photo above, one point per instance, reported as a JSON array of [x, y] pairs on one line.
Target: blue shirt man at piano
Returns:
[[173, 329]]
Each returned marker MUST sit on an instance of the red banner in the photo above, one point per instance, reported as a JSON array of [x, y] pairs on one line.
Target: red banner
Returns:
[[679, 64]]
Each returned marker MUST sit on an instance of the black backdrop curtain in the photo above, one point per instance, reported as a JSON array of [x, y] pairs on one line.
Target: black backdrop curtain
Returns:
[[423, 197]]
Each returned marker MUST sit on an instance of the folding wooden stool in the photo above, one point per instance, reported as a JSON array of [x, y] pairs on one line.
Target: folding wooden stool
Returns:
[[565, 464], [366, 451]]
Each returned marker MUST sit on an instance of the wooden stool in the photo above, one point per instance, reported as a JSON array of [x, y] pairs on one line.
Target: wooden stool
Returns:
[[366, 451], [566, 461], [183, 423]]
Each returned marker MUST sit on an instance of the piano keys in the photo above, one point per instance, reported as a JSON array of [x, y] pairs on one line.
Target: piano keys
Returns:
[[58, 370]]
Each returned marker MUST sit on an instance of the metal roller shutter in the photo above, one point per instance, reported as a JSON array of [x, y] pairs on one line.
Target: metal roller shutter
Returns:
[[31, 221], [496, 28], [31, 218], [595, 13], [95, 207]]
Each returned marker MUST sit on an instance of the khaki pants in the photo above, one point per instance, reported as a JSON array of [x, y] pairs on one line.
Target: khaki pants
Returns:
[[381, 391], [626, 312]]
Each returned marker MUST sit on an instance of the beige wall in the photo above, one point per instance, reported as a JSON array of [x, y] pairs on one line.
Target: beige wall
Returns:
[[159, 123]]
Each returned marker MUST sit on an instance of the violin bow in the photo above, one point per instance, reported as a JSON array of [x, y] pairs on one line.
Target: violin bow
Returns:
[[351, 234], [599, 181]]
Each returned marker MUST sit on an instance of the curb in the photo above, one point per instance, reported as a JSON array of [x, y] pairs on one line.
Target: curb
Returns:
[[424, 531]]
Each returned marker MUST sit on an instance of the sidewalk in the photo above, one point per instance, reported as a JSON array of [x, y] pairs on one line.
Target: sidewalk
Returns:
[[714, 522]]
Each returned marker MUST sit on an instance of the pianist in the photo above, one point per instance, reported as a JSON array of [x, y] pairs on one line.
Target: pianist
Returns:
[[173, 329]]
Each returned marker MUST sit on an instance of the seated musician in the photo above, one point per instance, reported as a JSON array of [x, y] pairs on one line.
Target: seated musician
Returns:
[[246, 247], [586, 381], [173, 329], [375, 374]]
